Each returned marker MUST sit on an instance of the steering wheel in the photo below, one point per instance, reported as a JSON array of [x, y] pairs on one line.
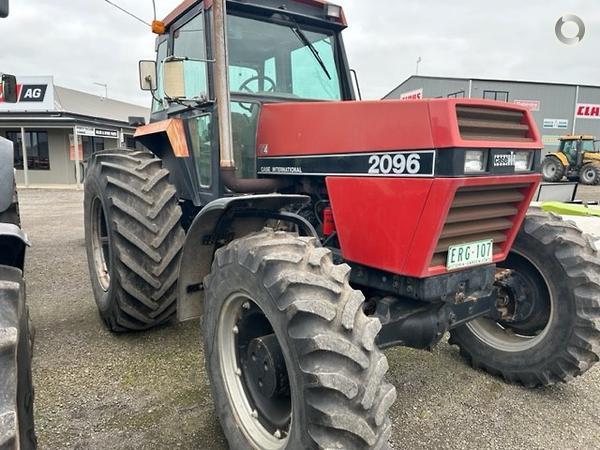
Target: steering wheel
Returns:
[[244, 86]]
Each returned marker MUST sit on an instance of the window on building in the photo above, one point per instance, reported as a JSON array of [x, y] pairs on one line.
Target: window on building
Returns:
[[459, 94], [501, 96], [91, 145], [38, 157], [130, 142], [36, 144]]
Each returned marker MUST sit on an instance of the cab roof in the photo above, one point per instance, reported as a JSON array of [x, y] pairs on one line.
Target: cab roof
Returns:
[[187, 4], [580, 137]]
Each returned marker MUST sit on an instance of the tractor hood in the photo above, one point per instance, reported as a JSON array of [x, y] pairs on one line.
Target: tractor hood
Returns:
[[300, 129]]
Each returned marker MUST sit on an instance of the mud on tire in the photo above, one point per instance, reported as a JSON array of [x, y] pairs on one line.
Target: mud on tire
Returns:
[[133, 238], [568, 268], [16, 390], [339, 397]]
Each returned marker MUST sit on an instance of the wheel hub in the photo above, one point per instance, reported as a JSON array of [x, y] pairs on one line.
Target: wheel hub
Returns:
[[525, 308], [266, 368], [521, 305], [514, 300]]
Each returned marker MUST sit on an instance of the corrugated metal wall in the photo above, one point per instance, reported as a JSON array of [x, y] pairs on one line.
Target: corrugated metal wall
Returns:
[[557, 102]]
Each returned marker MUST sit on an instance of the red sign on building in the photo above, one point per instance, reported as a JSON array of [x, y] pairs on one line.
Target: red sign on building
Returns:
[[531, 105], [587, 111]]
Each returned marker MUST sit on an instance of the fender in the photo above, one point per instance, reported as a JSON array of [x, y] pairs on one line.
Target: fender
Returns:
[[13, 242], [561, 157], [167, 140], [218, 222]]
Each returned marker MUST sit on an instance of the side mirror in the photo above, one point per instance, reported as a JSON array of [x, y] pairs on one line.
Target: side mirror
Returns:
[[185, 79], [3, 8], [9, 88], [147, 75]]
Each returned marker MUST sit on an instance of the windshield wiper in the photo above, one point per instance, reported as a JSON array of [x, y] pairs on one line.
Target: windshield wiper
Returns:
[[300, 34]]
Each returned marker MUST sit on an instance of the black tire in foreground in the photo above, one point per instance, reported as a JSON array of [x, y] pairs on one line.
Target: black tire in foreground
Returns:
[[554, 292], [590, 175], [16, 390], [289, 351], [133, 239], [552, 169]]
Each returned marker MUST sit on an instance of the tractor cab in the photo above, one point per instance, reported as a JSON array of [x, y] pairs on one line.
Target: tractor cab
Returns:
[[275, 52], [575, 148]]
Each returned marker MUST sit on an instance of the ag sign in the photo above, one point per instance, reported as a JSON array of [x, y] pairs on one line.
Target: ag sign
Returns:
[[587, 111], [33, 94]]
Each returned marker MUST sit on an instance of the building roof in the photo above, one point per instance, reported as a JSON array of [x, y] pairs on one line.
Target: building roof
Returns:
[[490, 80], [82, 103]]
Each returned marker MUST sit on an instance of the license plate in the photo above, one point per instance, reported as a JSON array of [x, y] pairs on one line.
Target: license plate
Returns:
[[471, 254]]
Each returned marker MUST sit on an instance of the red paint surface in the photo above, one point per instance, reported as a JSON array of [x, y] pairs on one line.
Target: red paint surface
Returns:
[[393, 224], [350, 127], [343, 127]]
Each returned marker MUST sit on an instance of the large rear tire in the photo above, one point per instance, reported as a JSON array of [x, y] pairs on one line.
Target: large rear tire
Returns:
[[16, 388], [289, 351], [133, 239], [552, 169], [554, 292]]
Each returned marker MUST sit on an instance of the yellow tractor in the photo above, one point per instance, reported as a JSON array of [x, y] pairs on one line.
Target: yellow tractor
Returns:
[[578, 158]]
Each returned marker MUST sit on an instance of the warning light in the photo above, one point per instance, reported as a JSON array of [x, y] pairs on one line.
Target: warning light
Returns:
[[158, 27]]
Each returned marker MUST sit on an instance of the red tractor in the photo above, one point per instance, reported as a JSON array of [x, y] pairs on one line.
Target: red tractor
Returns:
[[311, 230]]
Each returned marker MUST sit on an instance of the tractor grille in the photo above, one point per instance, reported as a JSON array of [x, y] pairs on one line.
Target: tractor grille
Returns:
[[477, 214], [492, 124]]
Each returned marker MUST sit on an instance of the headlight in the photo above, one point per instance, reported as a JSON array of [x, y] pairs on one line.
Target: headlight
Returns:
[[475, 161], [523, 161]]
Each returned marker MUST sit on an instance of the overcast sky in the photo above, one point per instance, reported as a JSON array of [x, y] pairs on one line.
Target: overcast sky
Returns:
[[87, 41]]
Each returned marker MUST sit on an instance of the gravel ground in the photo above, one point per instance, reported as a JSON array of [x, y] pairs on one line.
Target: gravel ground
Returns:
[[95, 390]]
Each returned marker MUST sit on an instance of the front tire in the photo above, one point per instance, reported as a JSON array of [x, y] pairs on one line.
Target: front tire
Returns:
[[290, 354], [133, 239], [555, 285], [552, 169], [590, 175]]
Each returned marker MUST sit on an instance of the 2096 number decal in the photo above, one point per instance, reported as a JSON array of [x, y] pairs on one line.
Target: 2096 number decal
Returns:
[[380, 164], [398, 163]]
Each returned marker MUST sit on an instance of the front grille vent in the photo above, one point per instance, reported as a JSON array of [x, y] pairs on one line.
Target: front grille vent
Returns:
[[477, 214], [492, 124]]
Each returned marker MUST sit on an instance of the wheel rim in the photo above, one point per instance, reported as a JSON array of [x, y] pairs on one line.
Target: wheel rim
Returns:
[[100, 244], [549, 170], [588, 175], [243, 331], [504, 337]]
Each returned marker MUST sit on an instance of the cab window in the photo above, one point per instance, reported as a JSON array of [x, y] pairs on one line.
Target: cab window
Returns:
[[201, 142], [282, 59], [189, 42], [587, 146]]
